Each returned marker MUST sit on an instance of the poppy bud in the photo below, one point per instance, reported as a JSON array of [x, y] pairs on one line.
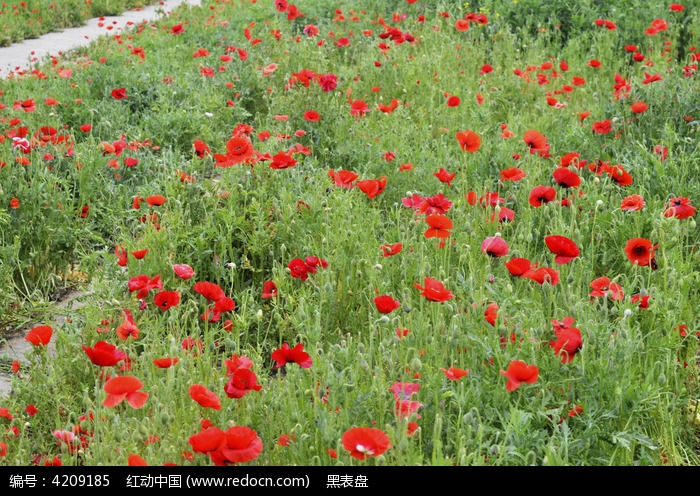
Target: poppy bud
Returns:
[[416, 364]]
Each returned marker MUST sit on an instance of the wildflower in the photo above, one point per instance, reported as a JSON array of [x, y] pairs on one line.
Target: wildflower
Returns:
[[640, 251], [343, 178], [440, 226], [285, 354], [564, 248], [204, 397], [445, 176], [238, 444], [166, 299], [183, 271], [127, 327], [358, 108], [127, 388], [512, 174], [164, 363], [39, 335], [386, 304], [539, 195], [536, 142], [494, 246], [119, 93], [434, 290], [363, 442], [566, 178], [372, 187], [104, 354], [639, 107], [241, 381], [454, 373], [680, 208], [209, 290], [604, 287], [469, 141], [519, 372], [239, 150], [632, 202], [389, 250], [269, 290], [567, 344]]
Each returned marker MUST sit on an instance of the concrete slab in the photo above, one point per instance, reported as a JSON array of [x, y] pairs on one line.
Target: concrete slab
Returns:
[[19, 57]]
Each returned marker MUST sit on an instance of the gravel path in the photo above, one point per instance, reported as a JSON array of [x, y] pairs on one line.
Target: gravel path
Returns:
[[19, 57]]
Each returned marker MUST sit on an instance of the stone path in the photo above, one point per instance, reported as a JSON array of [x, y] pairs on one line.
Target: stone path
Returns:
[[20, 56], [16, 347]]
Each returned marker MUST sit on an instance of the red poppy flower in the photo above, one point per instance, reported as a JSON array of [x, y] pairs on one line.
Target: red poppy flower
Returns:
[[297, 355], [518, 266], [241, 381], [454, 373], [512, 174], [453, 101], [680, 208], [40, 335], [387, 109], [602, 127], [543, 275], [539, 195], [434, 290], [119, 93], [564, 248], [491, 313], [618, 174], [164, 363], [440, 226], [389, 250], [358, 108], [363, 442], [312, 116], [298, 269], [136, 461], [209, 290], [343, 178], [143, 284], [156, 200], [239, 150], [436, 204], [127, 327], [640, 251], [282, 160], [183, 271], [494, 246], [632, 202], [602, 287], [386, 304], [519, 372], [638, 107], [3, 449], [468, 140], [201, 149], [445, 176], [269, 290], [535, 141], [566, 178], [14, 203], [167, 299], [139, 254], [122, 388], [207, 440], [104, 354], [372, 187], [240, 444], [205, 397], [567, 344]]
